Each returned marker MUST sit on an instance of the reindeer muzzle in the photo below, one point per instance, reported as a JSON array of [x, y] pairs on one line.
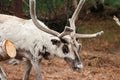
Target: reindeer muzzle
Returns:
[[73, 64]]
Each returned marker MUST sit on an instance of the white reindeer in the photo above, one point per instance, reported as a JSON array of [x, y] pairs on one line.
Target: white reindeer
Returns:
[[34, 40]]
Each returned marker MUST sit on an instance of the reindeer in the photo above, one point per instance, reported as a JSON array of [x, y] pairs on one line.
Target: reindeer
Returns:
[[34, 40]]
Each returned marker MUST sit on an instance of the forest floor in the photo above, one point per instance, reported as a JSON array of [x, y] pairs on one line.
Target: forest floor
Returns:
[[97, 66]]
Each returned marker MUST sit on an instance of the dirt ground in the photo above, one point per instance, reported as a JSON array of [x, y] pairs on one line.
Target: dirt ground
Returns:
[[97, 66]]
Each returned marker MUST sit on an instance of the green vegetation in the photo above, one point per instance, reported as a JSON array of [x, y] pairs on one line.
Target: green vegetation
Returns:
[[43, 5], [113, 3]]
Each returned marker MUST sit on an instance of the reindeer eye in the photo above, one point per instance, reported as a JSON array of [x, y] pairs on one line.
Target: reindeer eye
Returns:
[[65, 49]]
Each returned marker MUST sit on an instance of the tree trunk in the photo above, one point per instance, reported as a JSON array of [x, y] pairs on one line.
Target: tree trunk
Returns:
[[74, 3], [1, 4], [54, 7], [17, 5]]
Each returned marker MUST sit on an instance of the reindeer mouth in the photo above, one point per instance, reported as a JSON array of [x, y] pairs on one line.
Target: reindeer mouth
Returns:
[[73, 64]]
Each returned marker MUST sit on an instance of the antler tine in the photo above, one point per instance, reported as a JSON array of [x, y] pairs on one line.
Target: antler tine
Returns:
[[39, 25], [116, 20], [75, 14], [89, 35]]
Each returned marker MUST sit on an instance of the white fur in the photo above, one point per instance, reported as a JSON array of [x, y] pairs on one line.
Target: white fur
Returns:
[[26, 35]]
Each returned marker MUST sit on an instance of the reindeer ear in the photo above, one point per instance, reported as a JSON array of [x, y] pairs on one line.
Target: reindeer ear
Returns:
[[55, 42]]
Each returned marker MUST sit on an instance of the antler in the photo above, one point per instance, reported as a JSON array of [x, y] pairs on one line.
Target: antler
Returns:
[[72, 23], [40, 25], [117, 20], [66, 31], [75, 14]]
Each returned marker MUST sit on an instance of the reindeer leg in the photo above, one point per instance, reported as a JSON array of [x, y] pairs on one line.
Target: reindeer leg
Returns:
[[35, 64], [27, 55], [31, 61], [13, 61], [27, 70], [2, 74]]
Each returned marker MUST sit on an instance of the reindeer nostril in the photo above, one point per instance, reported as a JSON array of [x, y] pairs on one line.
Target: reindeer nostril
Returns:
[[78, 67]]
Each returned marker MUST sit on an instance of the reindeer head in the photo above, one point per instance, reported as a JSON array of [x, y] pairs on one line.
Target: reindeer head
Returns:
[[68, 47]]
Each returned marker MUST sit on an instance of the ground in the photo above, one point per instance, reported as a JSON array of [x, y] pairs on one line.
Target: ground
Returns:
[[97, 66]]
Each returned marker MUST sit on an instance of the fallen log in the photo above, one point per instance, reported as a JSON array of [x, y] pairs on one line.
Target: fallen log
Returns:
[[7, 50]]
